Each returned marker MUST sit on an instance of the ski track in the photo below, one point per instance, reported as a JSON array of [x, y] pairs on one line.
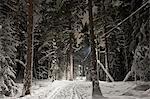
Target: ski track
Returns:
[[73, 90]]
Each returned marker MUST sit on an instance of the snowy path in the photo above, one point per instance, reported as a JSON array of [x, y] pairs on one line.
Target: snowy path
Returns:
[[63, 89], [83, 90], [72, 90]]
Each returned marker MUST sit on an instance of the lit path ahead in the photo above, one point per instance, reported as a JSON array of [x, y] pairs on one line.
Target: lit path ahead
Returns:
[[71, 90]]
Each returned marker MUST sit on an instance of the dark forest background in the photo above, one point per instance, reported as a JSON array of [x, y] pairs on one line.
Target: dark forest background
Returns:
[[61, 38]]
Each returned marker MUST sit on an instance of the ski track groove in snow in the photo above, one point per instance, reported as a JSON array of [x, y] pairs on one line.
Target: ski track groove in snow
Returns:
[[81, 91], [56, 90], [73, 90]]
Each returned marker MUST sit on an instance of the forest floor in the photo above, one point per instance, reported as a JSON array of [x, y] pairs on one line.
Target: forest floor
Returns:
[[81, 89]]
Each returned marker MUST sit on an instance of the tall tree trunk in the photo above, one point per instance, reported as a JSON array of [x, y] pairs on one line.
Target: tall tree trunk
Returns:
[[106, 40], [71, 43], [28, 69], [68, 67], [71, 58], [96, 91]]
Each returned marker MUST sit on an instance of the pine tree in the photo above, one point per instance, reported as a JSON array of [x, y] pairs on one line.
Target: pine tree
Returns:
[[8, 44], [134, 29]]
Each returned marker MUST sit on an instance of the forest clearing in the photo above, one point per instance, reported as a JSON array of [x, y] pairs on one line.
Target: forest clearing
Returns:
[[74, 49]]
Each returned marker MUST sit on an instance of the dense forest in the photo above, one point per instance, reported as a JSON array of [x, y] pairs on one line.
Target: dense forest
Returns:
[[106, 40]]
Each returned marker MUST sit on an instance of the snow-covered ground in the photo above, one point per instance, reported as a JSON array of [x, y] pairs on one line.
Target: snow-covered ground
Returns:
[[81, 89]]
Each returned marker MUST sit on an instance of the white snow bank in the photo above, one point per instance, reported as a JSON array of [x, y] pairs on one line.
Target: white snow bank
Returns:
[[115, 88]]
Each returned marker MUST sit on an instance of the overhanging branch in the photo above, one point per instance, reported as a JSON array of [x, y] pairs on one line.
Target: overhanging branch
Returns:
[[107, 34]]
